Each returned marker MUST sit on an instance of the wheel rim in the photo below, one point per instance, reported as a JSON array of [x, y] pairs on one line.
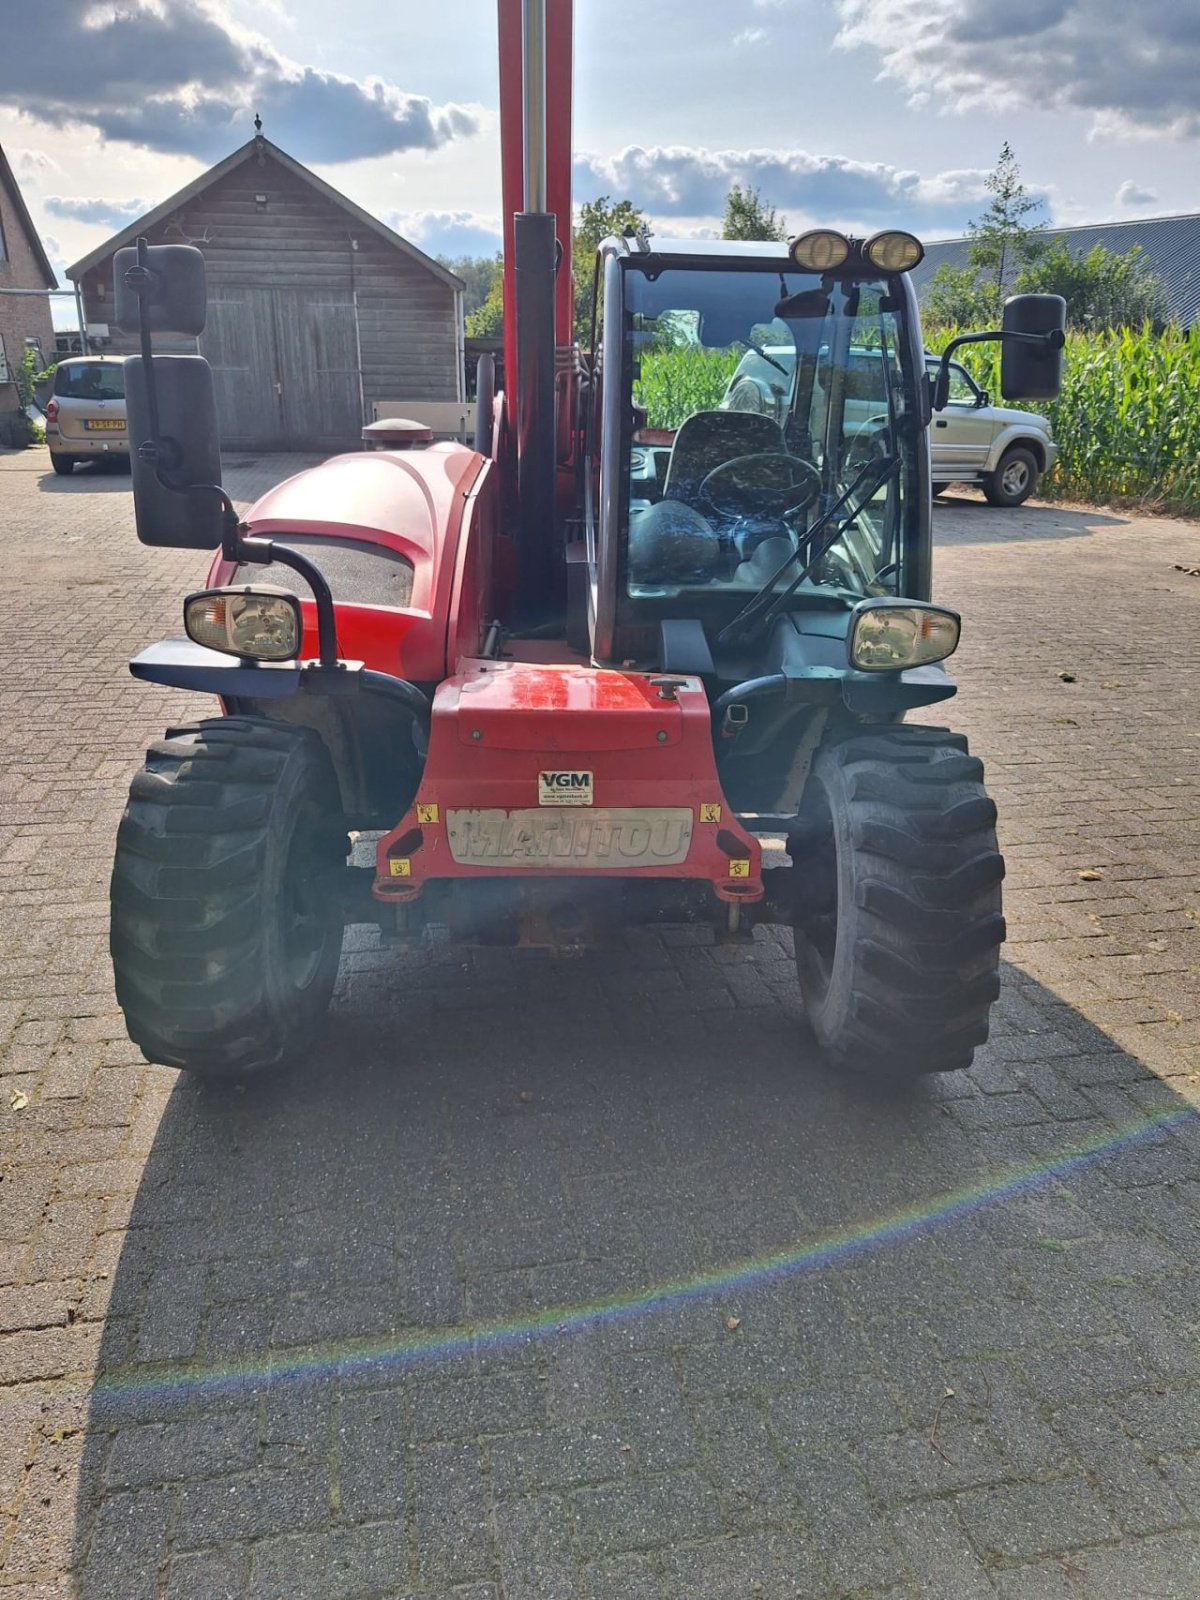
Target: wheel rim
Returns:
[[1015, 477]]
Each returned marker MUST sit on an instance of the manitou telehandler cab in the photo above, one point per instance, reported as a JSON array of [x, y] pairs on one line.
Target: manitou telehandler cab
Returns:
[[574, 675]]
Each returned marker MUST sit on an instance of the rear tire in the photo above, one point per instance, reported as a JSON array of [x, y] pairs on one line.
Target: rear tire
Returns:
[[223, 965], [898, 920], [1014, 480], [63, 465]]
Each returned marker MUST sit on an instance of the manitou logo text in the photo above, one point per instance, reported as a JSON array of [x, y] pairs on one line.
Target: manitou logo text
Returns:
[[564, 788], [608, 837]]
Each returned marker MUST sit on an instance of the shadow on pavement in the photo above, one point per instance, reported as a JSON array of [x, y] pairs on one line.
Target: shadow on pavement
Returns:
[[90, 477], [965, 517], [327, 1368]]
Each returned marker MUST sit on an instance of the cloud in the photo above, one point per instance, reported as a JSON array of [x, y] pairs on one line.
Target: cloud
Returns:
[[1132, 68], [1131, 196], [112, 214], [750, 36], [680, 181], [32, 163], [449, 233], [176, 76]]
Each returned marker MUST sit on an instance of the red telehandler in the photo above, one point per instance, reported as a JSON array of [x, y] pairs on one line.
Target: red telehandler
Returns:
[[575, 674]]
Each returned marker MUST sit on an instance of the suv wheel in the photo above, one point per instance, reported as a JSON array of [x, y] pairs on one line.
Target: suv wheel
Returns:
[[1015, 479], [63, 465]]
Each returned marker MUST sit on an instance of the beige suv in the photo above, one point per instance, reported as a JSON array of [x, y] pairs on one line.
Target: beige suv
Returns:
[[1002, 450], [85, 414]]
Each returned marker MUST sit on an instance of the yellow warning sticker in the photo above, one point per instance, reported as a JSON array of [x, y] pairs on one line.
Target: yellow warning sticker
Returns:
[[400, 867], [739, 869], [710, 813], [427, 813]]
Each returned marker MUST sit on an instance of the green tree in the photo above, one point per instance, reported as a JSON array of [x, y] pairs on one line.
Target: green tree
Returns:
[[954, 298], [478, 274], [1102, 289], [747, 216], [598, 219], [486, 321], [1008, 236]]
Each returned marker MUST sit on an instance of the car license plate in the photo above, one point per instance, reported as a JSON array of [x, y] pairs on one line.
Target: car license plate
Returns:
[[601, 836], [96, 425]]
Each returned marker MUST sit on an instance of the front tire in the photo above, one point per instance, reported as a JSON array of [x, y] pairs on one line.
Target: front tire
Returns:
[[225, 954], [1014, 480], [898, 921]]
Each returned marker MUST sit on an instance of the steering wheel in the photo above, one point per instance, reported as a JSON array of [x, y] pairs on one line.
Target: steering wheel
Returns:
[[767, 484], [868, 444]]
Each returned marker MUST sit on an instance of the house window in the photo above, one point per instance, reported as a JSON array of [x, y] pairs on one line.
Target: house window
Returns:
[[4, 377]]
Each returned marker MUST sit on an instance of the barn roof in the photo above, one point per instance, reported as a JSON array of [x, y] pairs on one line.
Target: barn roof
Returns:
[[1169, 245], [252, 148], [26, 221]]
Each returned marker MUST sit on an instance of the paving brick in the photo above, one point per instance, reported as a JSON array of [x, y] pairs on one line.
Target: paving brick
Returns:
[[774, 1564], [249, 1506], [451, 1514], [1016, 1522], [202, 1447], [556, 1458], [652, 1511], [1136, 1494], [534, 1538], [208, 1575], [657, 1420], [944, 1564]]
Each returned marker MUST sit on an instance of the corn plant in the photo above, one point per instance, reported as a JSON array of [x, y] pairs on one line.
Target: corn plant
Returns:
[[675, 381], [1127, 423]]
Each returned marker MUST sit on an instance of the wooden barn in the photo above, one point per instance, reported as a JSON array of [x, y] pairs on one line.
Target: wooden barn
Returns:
[[316, 310]]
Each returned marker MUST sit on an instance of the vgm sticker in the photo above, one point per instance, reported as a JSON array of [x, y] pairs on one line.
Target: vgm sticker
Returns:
[[564, 788]]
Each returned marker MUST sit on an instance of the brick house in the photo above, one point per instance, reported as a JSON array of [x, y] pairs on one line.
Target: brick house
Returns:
[[24, 318]]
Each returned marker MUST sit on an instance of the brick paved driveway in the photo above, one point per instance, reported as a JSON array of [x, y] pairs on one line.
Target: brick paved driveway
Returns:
[[294, 1341]]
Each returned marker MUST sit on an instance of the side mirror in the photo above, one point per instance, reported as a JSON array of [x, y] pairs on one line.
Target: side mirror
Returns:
[[168, 283], [1031, 365], [985, 399], [176, 471]]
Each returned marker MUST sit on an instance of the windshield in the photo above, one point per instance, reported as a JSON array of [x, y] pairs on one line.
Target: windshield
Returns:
[[773, 437], [90, 380]]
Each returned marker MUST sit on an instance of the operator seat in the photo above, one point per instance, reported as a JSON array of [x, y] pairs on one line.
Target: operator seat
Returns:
[[707, 438]]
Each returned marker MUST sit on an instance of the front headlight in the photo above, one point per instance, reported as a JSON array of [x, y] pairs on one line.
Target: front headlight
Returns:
[[260, 624], [889, 635]]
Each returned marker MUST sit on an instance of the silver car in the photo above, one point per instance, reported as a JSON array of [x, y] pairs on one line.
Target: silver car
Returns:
[[85, 414], [1004, 451]]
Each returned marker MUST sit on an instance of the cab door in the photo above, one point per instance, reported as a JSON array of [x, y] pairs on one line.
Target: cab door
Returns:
[[961, 436]]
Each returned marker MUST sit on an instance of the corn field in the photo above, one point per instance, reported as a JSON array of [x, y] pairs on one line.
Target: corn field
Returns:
[[675, 382], [1127, 423]]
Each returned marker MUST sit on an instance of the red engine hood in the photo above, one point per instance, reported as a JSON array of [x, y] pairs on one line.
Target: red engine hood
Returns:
[[408, 501]]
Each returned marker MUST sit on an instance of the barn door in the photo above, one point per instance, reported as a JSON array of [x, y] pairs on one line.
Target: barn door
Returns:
[[239, 345], [318, 367], [285, 368]]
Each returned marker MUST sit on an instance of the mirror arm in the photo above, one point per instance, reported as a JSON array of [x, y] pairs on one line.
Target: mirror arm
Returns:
[[1055, 339]]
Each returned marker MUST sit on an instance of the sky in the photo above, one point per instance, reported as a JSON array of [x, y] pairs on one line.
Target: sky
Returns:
[[854, 113]]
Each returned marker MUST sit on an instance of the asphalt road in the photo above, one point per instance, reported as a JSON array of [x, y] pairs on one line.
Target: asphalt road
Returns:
[[579, 1278]]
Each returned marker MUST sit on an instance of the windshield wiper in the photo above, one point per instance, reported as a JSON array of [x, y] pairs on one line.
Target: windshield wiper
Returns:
[[759, 351], [766, 603]]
